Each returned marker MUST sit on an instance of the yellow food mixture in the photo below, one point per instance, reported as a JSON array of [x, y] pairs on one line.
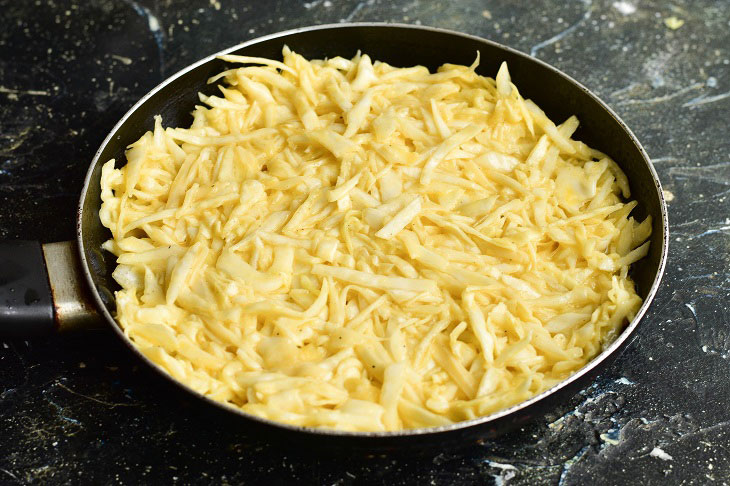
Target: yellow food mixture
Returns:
[[346, 244]]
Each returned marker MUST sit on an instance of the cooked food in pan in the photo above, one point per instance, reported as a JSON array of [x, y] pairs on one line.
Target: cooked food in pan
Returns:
[[347, 244]]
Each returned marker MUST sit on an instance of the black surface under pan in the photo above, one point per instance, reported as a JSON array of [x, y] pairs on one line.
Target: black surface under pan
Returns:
[[399, 45]]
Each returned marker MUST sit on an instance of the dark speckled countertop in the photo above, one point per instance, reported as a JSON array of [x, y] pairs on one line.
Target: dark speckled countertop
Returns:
[[80, 409]]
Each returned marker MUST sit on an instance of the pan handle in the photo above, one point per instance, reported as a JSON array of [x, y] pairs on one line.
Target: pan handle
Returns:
[[40, 290]]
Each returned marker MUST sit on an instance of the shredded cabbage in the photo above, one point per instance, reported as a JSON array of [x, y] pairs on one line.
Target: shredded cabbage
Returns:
[[342, 243]]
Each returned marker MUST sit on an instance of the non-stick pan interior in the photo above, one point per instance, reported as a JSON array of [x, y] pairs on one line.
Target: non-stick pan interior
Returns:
[[401, 46]]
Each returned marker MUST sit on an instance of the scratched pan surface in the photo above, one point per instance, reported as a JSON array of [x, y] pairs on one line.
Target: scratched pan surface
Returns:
[[399, 45]]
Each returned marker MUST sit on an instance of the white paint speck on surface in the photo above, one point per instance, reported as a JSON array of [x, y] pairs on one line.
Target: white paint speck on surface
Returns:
[[123, 59], [500, 465], [668, 195], [153, 23], [624, 8], [31, 92], [659, 453], [503, 479], [624, 381], [704, 99]]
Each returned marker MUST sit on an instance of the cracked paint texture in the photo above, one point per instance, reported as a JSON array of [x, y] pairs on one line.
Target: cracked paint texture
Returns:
[[80, 409]]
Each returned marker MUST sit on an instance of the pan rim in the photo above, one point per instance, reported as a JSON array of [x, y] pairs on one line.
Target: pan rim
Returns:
[[626, 334]]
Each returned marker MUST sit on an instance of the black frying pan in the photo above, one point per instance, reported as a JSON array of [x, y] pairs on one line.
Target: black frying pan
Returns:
[[29, 305]]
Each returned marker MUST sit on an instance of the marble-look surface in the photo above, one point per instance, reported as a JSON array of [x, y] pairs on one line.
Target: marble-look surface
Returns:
[[80, 409]]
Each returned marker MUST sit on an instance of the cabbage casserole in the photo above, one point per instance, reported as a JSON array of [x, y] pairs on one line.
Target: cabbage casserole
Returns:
[[346, 244]]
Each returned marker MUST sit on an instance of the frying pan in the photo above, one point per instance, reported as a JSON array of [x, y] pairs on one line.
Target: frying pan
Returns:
[[60, 286]]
